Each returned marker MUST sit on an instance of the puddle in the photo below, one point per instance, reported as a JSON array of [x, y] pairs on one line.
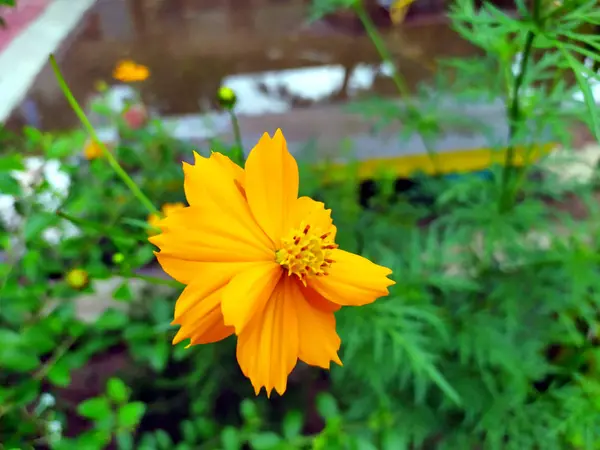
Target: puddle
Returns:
[[264, 49]]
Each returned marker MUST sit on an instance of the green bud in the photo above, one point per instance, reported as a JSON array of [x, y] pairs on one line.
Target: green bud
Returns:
[[227, 97], [118, 258]]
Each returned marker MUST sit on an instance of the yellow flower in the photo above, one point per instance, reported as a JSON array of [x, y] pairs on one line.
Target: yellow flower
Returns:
[[262, 263], [92, 150], [77, 278], [155, 219], [128, 71]]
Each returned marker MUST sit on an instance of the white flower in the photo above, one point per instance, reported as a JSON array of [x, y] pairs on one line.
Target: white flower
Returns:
[[9, 217], [47, 400]]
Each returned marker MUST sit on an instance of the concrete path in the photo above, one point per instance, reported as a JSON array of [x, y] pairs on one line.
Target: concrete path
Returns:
[[39, 28]]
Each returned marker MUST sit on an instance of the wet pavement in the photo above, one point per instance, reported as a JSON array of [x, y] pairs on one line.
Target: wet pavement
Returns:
[[265, 47]]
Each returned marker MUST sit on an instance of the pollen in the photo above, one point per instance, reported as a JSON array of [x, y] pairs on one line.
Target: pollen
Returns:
[[306, 252]]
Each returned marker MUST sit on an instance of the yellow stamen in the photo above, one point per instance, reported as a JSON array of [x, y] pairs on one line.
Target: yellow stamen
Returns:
[[306, 252]]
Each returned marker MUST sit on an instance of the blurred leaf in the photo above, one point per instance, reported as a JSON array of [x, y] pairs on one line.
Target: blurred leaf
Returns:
[[163, 439], [158, 355], [38, 222], [123, 292], [327, 405], [248, 409], [8, 185], [264, 441], [124, 440], [117, 390], [11, 162], [112, 319], [130, 415], [189, 431], [96, 408], [60, 374], [292, 424], [230, 439]]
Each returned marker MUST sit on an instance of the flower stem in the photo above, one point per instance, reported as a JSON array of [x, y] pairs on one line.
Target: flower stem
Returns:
[[239, 151], [399, 82], [135, 190], [507, 195]]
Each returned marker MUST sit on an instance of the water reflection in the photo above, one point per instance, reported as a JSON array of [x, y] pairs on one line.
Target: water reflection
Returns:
[[264, 49]]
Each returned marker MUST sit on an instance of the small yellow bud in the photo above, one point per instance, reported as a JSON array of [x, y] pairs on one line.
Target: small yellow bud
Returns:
[[77, 278], [227, 97], [101, 86]]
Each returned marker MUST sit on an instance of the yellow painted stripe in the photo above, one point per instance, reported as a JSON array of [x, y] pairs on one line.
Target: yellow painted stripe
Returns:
[[459, 161]]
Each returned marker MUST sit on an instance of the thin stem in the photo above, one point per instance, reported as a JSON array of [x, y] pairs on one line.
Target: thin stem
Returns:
[[239, 155], [399, 82], [151, 279], [507, 195], [98, 227], [135, 190]]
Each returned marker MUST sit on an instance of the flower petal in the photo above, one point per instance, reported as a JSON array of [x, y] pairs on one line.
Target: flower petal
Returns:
[[271, 183], [186, 271], [235, 171], [216, 185], [316, 300], [209, 278], [267, 350], [247, 293], [352, 280], [212, 178], [319, 341], [207, 233], [200, 315]]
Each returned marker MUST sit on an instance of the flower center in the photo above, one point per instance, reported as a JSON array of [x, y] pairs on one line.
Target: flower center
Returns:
[[306, 252]]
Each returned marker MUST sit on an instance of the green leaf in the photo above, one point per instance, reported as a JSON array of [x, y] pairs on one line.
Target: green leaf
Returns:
[[8, 185], [112, 319], [231, 439], [189, 431], [38, 222], [327, 405], [584, 85], [11, 162], [117, 391], [18, 359], [124, 440], [163, 439], [393, 440], [129, 415], [96, 408], [123, 292], [93, 440], [292, 424], [265, 441], [158, 355], [60, 374], [248, 409]]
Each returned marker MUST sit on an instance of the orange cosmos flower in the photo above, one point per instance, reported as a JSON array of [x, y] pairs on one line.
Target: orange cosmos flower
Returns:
[[128, 71], [92, 150], [261, 263]]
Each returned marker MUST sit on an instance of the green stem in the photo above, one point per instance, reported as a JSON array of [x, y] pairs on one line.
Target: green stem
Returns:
[[507, 195], [151, 279], [399, 82], [239, 154], [97, 227], [135, 190]]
